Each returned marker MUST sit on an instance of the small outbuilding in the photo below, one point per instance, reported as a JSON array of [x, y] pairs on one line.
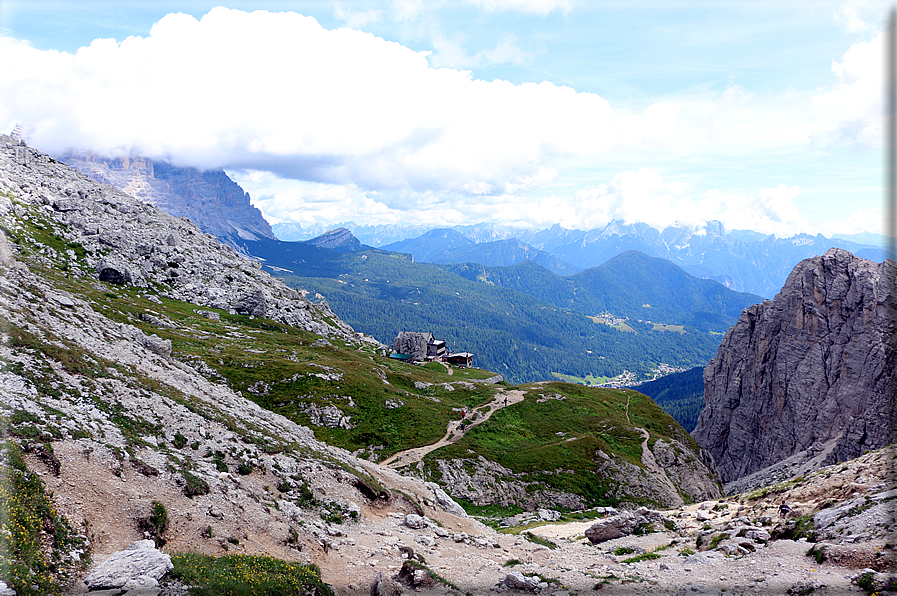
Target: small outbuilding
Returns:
[[460, 359]]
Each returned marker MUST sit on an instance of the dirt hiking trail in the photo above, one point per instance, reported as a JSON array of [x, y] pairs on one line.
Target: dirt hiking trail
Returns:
[[500, 400]]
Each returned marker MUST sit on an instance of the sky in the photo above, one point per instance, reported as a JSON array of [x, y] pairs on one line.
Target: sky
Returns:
[[762, 114]]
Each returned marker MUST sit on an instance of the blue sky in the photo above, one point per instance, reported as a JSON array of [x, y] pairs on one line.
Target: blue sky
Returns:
[[765, 115]]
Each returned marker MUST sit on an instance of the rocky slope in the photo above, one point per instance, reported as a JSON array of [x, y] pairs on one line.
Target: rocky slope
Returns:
[[131, 242], [808, 375], [209, 199]]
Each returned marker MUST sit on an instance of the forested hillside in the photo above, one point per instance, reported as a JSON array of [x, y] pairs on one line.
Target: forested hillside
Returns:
[[632, 284], [681, 395], [510, 332]]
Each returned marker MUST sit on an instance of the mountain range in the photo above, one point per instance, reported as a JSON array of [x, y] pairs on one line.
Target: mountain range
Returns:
[[210, 199], [524, 332], [742, 260]]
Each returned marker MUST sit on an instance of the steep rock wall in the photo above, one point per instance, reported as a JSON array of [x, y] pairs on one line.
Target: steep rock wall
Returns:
[[805, 369]]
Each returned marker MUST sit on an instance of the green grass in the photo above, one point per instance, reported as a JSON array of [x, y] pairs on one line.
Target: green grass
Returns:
[[535, 539], [34, 539], [554, 443], [251, 353], [245, 575], [642, 557]]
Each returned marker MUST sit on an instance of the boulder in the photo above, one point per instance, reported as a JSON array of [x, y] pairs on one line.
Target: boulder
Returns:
[[255, 304], [517, 581], [613, 527], [139, 563], [445, 501], [414, 577], [415, 522], [384, 586], [116, 271]]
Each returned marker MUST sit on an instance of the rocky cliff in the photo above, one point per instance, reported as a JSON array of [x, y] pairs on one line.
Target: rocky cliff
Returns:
[[127, 241], [809, 373], [210, 199]]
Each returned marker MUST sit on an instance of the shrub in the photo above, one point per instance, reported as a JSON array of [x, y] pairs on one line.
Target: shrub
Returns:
[[642, 557], [158, 522], [244, 469], [194, 485], [179, 440]]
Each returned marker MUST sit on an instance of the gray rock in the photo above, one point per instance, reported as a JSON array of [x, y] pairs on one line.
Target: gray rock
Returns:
[[384, 586], [255, 304], [517, 581], [116, 270], [806, 368], [140, 561], [445, 501], [415, 522], [548, 514], [827, 517], [425, 540], [613, 527], [61, 299]]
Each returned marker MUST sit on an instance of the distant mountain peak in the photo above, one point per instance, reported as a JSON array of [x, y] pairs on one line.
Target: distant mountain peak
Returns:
[[340, 240]]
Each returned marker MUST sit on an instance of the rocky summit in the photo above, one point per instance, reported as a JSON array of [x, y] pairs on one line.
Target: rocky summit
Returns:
[[808, 377]]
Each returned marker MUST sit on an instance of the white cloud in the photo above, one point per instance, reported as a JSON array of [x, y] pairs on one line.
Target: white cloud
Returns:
[[632, 196], [277, 91], [859, 16], [861, 220], [850, 111], [450, 53], [540, 7], [356, 19], [344, 109]]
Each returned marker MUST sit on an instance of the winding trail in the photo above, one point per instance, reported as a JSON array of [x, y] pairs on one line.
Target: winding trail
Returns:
[[500, 400], [648, 458]]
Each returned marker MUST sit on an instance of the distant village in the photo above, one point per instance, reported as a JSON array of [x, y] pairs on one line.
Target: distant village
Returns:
[[419, 346]]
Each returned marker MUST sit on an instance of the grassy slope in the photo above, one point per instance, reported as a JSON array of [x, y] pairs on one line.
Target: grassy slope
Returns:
[[524, 437], [248, 353]]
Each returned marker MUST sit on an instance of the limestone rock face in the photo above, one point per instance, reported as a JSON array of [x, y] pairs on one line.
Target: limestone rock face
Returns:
[[209, 199], [813, 367]]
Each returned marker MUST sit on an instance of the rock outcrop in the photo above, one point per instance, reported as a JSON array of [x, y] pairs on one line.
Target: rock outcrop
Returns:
[[209, 199], [811, 370], [131, 242]]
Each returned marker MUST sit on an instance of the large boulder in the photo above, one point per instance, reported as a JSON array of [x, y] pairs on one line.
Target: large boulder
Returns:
[[117, 271], [139, 564], [255, 304], [385, 586], [517, 581], [617, 526]]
